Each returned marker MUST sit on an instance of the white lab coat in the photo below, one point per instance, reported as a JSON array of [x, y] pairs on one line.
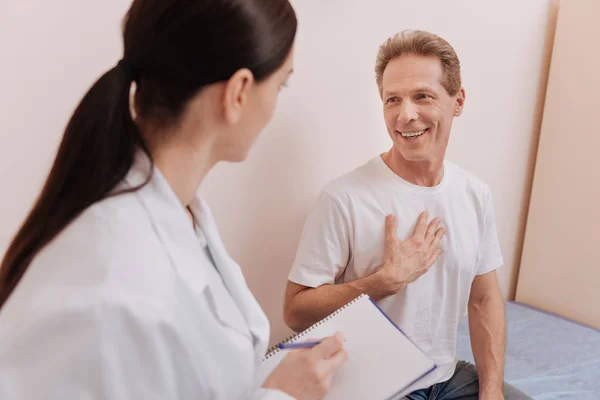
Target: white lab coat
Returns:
[[118, 306]]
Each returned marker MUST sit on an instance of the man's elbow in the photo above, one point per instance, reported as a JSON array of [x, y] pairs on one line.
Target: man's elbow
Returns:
[[485, 292], [291, 316], [483, 304]]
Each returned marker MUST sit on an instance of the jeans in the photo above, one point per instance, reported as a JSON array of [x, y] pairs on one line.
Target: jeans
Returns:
[[464, 385]]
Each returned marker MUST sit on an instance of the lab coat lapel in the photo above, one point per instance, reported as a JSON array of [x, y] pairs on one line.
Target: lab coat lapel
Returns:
[[172, 225], [169, 220], [233, 278]]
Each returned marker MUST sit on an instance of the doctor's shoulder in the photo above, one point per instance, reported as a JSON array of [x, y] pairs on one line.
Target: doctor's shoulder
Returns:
[[102, 279], [108, 249]]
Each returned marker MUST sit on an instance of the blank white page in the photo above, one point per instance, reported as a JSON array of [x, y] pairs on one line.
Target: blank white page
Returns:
[[382, 361]]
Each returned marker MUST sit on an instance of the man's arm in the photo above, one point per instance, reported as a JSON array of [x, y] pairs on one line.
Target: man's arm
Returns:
[[487, 326], [304, 305], [404, 262]]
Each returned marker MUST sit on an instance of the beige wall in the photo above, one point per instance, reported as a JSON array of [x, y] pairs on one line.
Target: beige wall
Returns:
[[50, 53], [560, 270], [328, 121]]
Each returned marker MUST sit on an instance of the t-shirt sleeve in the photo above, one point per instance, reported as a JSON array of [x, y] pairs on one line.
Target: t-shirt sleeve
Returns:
[[324, 249], [490, 253]]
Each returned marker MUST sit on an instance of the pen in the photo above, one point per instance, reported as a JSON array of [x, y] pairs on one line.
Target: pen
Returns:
[[303, 345]]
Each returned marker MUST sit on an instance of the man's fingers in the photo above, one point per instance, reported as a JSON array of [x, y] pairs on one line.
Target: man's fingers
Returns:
[[435, 243], [390, 228], [432, 258], [431, 229], [439, 234], [421, 225]]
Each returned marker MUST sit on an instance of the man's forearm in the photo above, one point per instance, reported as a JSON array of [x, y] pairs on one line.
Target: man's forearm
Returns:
[[488, 336], [314, 304]]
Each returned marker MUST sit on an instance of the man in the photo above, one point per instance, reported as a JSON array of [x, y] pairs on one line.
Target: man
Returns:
[[345, 250]]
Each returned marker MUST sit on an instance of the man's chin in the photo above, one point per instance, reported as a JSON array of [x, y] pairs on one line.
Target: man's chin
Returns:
[[420, 155]]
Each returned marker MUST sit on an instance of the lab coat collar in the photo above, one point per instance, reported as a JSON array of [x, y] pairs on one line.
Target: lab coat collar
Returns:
[[168, 218], [172, 224]]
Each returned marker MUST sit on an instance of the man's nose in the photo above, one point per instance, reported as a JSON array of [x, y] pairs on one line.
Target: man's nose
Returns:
[[408, 112]]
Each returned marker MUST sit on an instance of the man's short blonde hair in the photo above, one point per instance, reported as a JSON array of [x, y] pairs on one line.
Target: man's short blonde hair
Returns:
[[424, 44]]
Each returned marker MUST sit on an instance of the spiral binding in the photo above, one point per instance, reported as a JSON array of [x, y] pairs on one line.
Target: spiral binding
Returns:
[[275, 349]]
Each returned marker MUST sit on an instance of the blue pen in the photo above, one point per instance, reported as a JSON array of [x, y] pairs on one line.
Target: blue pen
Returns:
[[303, 345]]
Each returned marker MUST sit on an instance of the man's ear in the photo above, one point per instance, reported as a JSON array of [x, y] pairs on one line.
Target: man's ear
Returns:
[[460, 102], [235, 96]]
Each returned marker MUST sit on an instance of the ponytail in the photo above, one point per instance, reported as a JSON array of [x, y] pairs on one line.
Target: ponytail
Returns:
[[95, 154], [177, 48]]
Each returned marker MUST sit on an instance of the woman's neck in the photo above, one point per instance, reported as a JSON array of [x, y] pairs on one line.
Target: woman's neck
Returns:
[[184, 172], [184, 167]]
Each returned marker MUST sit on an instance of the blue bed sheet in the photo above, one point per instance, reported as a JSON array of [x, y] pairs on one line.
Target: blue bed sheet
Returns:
[[547, 357]]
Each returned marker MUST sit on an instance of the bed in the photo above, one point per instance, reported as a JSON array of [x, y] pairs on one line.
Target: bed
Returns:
[[547, 356]]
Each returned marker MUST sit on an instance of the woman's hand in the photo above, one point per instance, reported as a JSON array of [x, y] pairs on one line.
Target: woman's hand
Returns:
[[306, 374]]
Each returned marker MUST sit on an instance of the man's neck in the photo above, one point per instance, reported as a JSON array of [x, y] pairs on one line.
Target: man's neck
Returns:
[[426, 173]]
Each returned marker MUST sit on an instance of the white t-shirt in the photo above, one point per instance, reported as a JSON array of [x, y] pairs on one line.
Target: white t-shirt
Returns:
[[343, 240]]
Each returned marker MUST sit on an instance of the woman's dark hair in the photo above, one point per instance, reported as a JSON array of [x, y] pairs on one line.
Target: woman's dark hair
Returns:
[[172, 48]]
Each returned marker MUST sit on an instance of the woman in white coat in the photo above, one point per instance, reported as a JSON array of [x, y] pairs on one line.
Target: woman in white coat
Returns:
[[117, 285]]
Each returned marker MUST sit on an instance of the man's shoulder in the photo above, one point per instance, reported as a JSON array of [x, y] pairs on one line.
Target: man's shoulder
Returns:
[[354, 182], [467, 180]]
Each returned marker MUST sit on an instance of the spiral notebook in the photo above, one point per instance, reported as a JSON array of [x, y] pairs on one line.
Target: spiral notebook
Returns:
[[383, 363]]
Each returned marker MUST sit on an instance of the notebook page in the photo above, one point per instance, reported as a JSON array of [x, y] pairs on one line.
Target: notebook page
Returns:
[[382, 361]]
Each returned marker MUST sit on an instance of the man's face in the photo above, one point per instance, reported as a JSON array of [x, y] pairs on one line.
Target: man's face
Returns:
[[417, 109]]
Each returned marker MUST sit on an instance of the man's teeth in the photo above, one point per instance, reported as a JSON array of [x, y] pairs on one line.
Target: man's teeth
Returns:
[[413, 134]]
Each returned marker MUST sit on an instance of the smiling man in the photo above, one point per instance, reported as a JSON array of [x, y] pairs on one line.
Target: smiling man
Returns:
[[426, 202]]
